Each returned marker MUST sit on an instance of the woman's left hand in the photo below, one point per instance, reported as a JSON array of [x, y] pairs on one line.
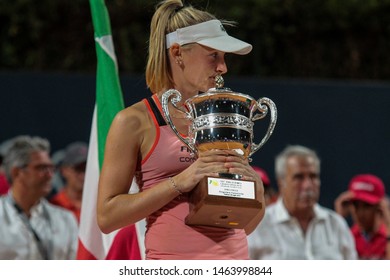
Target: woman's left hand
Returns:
[[237, 164]]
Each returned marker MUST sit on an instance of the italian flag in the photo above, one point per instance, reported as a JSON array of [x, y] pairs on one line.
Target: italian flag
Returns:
[[93, 244]]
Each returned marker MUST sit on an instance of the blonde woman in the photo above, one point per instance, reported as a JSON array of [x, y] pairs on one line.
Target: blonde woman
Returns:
[[187, 50]]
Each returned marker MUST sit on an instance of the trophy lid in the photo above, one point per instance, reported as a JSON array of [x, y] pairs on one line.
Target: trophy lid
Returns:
[[219, 86], [219, 91]]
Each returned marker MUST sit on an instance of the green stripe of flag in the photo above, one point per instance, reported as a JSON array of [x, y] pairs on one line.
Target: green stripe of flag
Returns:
[[109, 98]]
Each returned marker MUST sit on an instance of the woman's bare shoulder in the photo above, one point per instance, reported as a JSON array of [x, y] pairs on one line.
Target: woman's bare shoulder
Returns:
[[134, 126], [132, 116]]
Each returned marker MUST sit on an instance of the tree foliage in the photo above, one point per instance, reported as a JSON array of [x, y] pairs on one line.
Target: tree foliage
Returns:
[[291, 38]]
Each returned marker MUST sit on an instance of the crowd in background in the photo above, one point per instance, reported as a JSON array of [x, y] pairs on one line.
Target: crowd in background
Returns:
[[39, 215], [41, 200], [295, 226]]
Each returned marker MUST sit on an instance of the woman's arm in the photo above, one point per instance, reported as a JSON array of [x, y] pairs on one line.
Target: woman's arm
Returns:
[[129, 139], [123, 152]]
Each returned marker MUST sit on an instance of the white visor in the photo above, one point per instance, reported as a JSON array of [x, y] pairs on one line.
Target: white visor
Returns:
[[211, 34]]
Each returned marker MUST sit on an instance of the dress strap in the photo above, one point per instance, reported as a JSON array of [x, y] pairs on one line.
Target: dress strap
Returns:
[[157, 113]]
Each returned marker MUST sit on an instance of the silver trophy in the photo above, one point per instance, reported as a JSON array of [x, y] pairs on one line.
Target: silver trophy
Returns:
[[222, 119]]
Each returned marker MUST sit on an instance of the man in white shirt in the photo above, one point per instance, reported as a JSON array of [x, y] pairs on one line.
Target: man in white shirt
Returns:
[[32, 228], [296, 226]]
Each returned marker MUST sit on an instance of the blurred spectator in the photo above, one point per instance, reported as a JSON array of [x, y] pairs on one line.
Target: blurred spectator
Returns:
[[270, 195], [4, 185], [32, 228], [366, 203], [385, 205], [296, 226], [72, 169], [58, 181]]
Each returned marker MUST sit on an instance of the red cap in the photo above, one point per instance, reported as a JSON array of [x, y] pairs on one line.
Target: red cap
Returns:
[[368, 188], [263, 175]]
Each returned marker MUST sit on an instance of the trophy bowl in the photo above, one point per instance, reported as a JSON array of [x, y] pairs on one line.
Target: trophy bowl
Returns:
[[222, 119]]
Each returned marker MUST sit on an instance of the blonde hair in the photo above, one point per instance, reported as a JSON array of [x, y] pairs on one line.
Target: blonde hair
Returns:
[[168, 17]]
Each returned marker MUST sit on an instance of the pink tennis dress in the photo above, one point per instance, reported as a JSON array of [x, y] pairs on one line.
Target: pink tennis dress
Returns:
[[167, 236]]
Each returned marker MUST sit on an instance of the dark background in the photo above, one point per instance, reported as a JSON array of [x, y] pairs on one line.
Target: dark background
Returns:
[[325, 63], [345, 122], [329, 39]]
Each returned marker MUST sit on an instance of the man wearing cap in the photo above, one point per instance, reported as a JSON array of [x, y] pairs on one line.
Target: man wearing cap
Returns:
[[365, 201], [73, 171]]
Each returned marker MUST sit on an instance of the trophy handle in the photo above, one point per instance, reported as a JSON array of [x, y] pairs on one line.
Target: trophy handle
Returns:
[[262, 105], [176, 97]]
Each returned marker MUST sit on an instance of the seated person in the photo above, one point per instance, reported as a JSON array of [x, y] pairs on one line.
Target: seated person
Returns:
[[366, 204], [296, 226]]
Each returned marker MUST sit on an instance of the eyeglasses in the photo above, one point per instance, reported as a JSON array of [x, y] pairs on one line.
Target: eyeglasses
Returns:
[[43, 168]]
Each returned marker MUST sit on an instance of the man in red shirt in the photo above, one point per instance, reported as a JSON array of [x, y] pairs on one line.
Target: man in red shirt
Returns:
[[365, 201]]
